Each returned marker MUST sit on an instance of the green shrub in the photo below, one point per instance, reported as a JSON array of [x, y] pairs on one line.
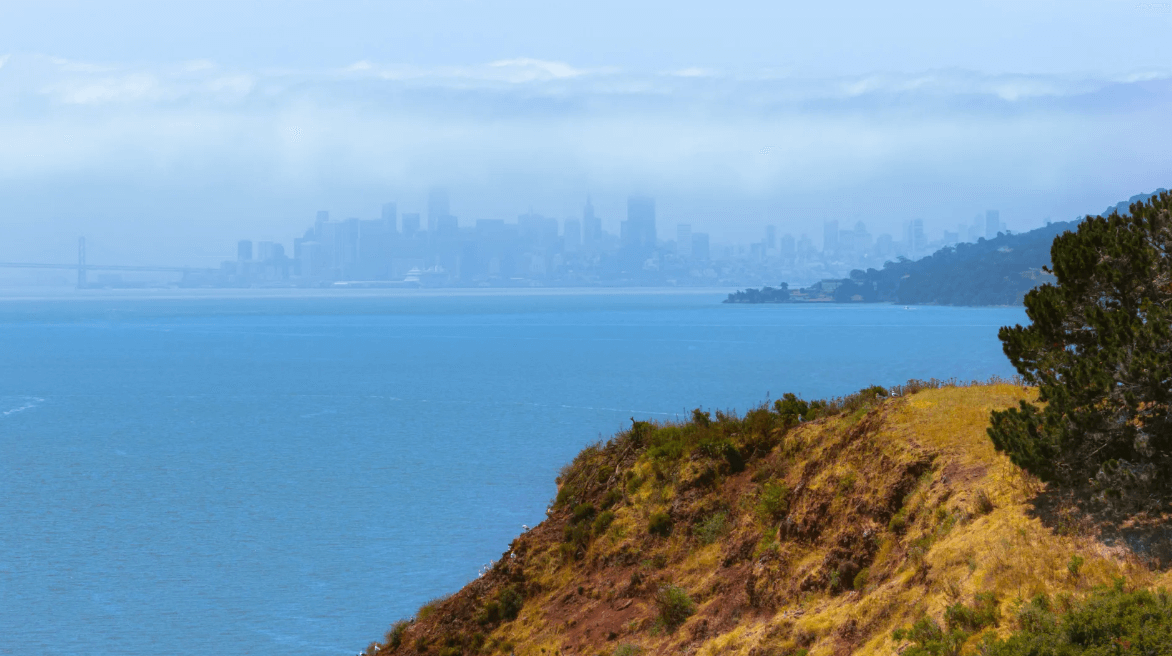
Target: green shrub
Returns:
[[928, 639], [1109, 621], [898, 523], [504, 606], [603, 522], [582, 512], [709, 530], [394, 637], [982, 613], [701, 419], [674, 606], [860, 581], [659, 524], [1074, 566], [628, 650], [773, 502], [511, 602], [613, 496]]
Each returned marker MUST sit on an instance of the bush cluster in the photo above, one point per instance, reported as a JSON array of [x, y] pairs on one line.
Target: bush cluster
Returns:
[[674, 606]]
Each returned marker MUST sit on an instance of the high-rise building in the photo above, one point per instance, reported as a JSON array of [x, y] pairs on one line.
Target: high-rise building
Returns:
[[684, 240], [787, 245], [591, 227], [992, 223], [700, 246], [410, 224], [572, 235], [638, 231], [267, 251], [829, 236], [390, 216], [770, 237], [437, 206], [919, 239], [244, 250]]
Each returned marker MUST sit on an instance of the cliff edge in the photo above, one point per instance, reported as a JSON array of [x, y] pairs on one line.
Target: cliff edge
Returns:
[[815, 528]]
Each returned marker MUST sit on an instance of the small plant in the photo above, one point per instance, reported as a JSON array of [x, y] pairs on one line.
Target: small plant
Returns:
[[582, 511], [674, 605], [860, 581], [701, 419], [898, 523], [603, 522], [983, 504], [395, 636], [628, 650], [709, 530], [773, 502], [613, 496], [660, 524], [1075, 566]]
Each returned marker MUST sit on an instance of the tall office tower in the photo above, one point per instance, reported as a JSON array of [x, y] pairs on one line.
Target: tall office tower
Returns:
[[962, 232], [992, 223], [244, 250], [700, 246], [591, 227], [919, 239], [684, 240], [391, 216], [572, 235], [266, 251], [410, 224], [323, 217], [829, 236], [770, 237], [638, 231], [787, 245], [437, 207]]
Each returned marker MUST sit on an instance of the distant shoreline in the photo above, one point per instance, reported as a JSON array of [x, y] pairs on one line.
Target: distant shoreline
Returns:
[[34, 294]]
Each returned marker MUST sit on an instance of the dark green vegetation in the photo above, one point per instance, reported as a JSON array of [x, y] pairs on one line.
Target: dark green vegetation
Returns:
[[1109, 621], [1099, 349], [764, 295]]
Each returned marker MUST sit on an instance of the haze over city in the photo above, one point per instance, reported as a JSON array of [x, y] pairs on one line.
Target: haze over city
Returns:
[[165, 136]]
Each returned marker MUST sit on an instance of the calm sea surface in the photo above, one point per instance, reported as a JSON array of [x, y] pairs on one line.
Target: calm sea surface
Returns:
[[290, 475]]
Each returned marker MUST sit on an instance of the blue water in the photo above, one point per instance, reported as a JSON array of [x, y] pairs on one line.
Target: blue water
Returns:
[[290, 475]]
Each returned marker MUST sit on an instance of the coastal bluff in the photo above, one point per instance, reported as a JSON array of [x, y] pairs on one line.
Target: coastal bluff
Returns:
[[797, 528]]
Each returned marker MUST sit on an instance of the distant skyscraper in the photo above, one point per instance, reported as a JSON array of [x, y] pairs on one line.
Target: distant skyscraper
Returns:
[[638, 231], [992, 223], [787, 245], [410, 224], [699, 246], [591, 227], [323, 217], [391, 216], [919, 239], [829, 236], [770, 237], [437, 207], [684, 240], [244, 250], [572, 235]]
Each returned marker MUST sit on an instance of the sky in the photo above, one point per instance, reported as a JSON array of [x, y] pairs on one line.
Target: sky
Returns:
[[164, 132]]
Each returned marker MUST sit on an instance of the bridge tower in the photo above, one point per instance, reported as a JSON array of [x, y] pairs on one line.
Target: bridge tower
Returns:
[[81, 262]]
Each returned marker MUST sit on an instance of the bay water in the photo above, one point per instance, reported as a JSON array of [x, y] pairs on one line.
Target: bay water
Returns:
[[288, 474]]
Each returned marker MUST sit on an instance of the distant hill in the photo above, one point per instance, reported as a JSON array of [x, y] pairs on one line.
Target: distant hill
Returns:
[[995, 271]]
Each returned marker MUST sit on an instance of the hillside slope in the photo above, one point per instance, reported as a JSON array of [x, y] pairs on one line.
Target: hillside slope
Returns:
[[763, 534]]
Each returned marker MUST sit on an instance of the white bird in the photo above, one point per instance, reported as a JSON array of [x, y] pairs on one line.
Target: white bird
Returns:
[[524, 528]]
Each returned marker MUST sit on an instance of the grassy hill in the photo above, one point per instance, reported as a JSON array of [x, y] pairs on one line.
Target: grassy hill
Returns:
[[768, 534]]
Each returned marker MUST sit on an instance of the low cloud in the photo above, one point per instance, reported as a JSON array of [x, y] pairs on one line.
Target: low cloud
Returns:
[[730, 148]]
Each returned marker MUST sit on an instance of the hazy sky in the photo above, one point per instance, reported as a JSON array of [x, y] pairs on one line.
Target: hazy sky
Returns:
[[164, 131]]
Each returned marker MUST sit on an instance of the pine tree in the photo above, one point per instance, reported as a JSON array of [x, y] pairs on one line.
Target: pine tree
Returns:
[[1099, 349]]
